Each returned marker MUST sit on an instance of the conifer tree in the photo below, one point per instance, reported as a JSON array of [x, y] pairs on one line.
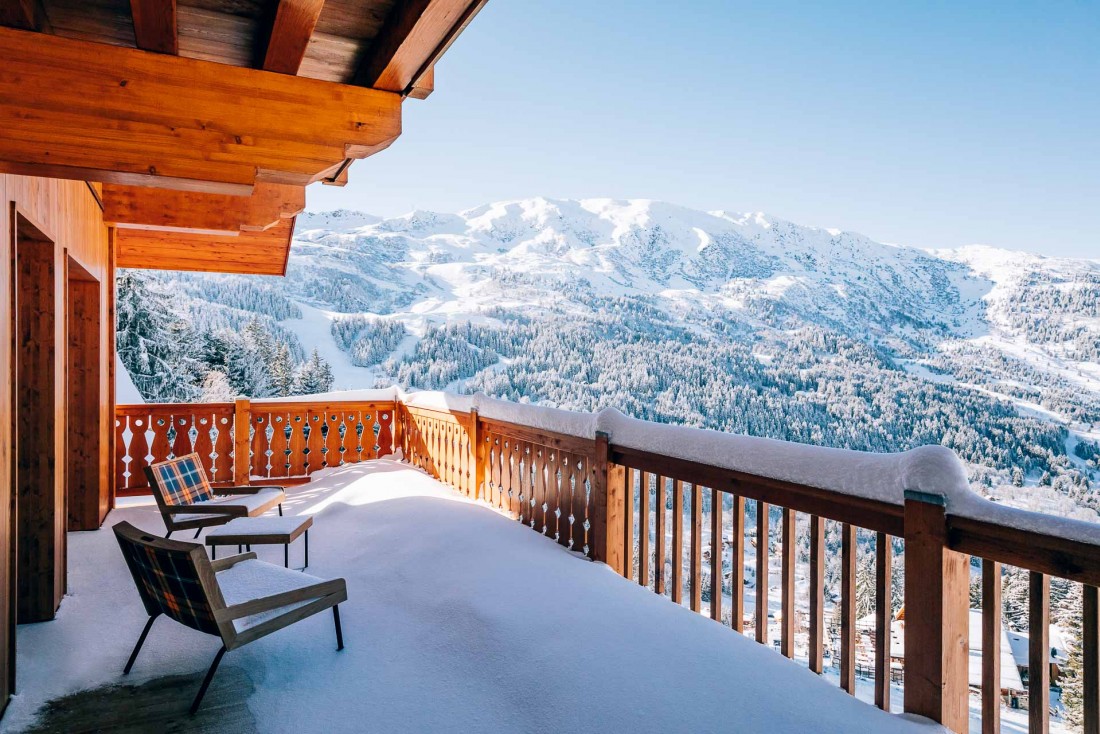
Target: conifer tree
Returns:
[[315, 376]]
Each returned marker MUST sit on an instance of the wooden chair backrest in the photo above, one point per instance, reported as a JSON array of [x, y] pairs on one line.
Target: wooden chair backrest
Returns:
[[173, 578]]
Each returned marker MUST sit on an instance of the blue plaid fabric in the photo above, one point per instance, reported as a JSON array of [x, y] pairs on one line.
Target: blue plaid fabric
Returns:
[[182, 481], [169, 583]]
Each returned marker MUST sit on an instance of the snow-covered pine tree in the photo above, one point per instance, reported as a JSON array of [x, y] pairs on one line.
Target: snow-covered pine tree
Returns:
[[282, 372], [315, 376], [1014, 599], [865, 585], [152, 342], [216, 388]]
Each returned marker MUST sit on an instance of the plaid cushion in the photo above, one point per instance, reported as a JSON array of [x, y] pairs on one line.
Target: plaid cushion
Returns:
[[183, 481], [168, 582]]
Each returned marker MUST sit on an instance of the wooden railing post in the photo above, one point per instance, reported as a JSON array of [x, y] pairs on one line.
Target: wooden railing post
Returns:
[[608, 507], [242, 443], [937, 583], [478, 453]]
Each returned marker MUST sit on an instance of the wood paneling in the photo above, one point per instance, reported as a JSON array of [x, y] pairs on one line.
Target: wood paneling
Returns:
[[71, 109], [86, 480], [39, 424], [259, 253], [66, 213]]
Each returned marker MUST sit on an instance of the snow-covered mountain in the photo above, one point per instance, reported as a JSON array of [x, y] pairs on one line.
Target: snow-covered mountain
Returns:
[[736, 321]]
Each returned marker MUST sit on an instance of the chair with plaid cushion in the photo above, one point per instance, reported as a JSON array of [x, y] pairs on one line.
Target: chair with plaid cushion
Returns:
[[187, 500], [237, 599]]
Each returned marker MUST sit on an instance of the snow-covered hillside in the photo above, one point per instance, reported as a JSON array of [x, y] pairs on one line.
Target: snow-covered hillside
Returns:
[[741, 322]]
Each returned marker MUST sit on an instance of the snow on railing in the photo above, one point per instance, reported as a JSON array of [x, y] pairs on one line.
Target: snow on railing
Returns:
[[633, 493]]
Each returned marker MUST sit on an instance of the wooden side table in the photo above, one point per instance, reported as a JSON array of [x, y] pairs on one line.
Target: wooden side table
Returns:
[[267, 530]]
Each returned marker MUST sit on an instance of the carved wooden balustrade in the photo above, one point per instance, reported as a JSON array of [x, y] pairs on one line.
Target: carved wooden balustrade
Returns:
[[684, 529], [284, 440]]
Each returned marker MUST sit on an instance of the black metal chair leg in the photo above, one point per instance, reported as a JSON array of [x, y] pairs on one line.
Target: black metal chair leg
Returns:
[[307, 551], [169, 535], [339, 632], [280, 509], [197, 533], [286, 555], [206, 681], [213, 553], [140, 642]]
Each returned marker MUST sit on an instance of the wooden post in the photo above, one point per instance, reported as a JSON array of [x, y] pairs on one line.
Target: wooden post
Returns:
[[1038, 652], [848, 608], [991, 647], [937, 608], [786, 639], [817, 593], [608, 490], [884, 557], [242, 442], [716, 498], [696, 549], [478, 458], [763, 528], [1090, 641], [737, 570]]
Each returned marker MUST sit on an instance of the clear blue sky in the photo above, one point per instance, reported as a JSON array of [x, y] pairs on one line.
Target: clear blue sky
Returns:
[[934, 124]]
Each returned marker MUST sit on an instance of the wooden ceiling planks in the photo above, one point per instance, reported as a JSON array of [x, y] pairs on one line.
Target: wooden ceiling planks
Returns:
[[145, 207], [155, 27], [123, 116], [257, 253], [290, 34]]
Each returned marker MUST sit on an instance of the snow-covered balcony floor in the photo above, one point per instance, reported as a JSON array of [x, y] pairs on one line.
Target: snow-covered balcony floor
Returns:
[[458, 619]]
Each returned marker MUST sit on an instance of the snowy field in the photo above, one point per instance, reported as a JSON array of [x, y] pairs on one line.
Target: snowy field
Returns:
[[458, 619]]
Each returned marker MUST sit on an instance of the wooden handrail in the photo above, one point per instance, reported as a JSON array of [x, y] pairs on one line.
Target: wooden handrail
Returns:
[[866, 513]]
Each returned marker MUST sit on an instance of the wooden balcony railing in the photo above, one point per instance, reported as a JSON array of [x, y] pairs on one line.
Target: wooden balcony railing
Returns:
[[281, 440], [662, 517]]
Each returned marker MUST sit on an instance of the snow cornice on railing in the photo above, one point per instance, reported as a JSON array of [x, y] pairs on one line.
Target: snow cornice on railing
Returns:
[[934, 471]]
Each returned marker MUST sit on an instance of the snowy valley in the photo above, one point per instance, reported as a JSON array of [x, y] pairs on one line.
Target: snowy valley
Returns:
[[742, 323]]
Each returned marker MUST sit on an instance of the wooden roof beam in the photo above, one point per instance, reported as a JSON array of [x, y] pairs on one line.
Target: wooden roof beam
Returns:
[[290, 34], [155, 25], [424, 86], [416, 33], [145, 207], [253, 253], [89, 111]]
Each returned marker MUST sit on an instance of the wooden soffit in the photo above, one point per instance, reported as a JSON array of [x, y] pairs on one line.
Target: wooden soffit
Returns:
[[80, 110], [254, 253], [144, 207]]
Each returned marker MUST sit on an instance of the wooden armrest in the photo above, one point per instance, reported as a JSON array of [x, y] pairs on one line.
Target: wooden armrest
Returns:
[[244, 489], [223, 563], [285, 598]]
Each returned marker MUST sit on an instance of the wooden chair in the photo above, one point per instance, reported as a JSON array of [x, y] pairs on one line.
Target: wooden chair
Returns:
[[237, 599], [187, 500]]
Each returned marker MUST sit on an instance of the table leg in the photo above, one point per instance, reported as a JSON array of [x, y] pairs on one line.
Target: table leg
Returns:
[[307, 551], [286, 555], [213, 553]]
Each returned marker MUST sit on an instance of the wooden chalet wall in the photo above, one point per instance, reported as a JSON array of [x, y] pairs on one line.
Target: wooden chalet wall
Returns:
[[61, 222]]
